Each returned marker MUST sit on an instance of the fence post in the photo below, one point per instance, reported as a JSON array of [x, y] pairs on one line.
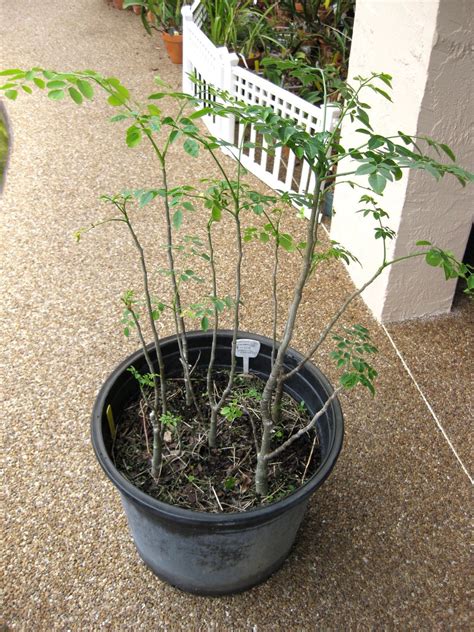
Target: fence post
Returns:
[[188, 19], [228, 62]]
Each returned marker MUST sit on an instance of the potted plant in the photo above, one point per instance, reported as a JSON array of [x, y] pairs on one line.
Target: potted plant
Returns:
[[217, 438], [241, 26], [320, 35], [164, 16]]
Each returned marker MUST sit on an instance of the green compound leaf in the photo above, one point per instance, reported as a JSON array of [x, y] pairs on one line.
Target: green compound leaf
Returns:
[[115, 100], [366, 168], [448, 151], [433, 258], [216, 213], [86, 88], [39, 83], [56, 85], [349, 380], [377, 182], [178, 219], [174, 135], [146, 197], [118, 117], [191, 147], [76, 96], [286, 242], [133, 137], [56, 95], [12, 71]]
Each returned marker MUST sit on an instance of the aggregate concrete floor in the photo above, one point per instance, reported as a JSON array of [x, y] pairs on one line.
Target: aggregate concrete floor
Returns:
[[385, 541]]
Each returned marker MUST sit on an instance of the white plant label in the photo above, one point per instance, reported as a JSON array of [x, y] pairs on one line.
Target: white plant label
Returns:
[[246, 349]]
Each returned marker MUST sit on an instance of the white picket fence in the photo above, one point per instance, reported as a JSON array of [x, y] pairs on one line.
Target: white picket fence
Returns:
[[217, 67]]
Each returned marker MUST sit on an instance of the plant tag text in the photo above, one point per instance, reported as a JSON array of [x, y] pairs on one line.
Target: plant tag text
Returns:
[[246, 349]]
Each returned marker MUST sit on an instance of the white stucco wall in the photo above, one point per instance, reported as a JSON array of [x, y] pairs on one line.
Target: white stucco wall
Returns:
[[424, 45]]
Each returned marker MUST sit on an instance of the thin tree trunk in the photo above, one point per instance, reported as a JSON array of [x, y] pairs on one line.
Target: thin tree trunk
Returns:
[[212, 400], [154, 417], [261, 476], [157, 446], [275, 296], [181, 328], [218, 405], [236, 198], [276, 405], [156, 338]]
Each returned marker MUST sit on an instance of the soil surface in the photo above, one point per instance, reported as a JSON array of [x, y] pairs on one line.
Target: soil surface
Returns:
[[217, 479]]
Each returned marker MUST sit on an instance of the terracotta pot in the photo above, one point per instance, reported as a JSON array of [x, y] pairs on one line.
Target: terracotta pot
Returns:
[[174, 47], [118, 4], [137, 9]]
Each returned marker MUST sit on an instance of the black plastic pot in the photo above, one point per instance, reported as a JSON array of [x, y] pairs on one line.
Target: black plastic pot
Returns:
[[204, 553]]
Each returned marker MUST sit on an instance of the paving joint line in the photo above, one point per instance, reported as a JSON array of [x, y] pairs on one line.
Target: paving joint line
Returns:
[[428, 405]]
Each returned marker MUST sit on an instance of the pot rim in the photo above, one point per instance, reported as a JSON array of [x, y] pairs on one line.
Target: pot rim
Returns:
[[175, 37], [256, 515]]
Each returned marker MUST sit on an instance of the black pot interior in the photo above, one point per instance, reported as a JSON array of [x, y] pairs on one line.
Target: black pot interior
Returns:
[[308, 385]]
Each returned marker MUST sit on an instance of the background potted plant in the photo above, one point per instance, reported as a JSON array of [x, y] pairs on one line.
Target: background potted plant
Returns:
[[164, 16], [242, 26], [233, 432]]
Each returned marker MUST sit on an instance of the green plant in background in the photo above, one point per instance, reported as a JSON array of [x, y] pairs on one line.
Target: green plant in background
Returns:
[[222, 18], [249, 215], [239, 25], [318, 35], [255, 35], [163, 15]]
